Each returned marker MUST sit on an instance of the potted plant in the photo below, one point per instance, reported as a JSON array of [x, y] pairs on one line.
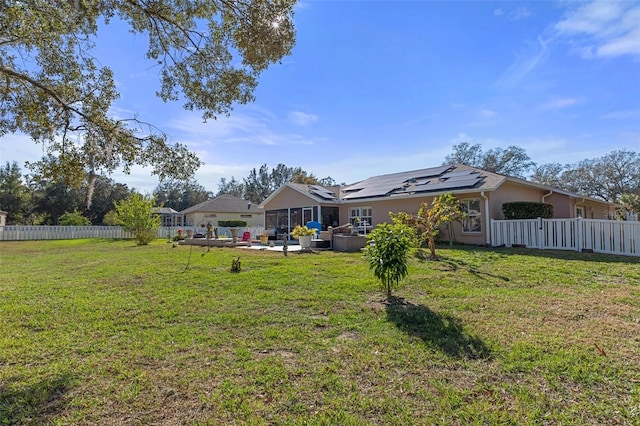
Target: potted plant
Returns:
[[264, 238], [303, 235]]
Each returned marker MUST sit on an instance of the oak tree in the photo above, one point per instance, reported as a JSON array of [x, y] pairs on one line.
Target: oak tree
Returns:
[[209, 54], [512, 161]]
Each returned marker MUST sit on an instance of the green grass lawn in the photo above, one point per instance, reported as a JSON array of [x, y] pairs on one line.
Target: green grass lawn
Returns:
[[104, 332]]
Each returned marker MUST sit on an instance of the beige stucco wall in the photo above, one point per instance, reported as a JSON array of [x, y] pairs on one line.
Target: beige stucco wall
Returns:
[[564, 206], [380, 214], [510, 192], [196, 219], [593, 210]]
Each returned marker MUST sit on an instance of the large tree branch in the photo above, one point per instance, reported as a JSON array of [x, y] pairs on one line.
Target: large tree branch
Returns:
[[43, 87]]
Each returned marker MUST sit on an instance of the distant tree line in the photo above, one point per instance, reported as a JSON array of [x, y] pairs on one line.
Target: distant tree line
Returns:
[[34, 199], [261, 183], [615, 177]]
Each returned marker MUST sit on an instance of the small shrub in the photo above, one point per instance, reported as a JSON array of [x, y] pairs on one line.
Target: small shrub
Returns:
[[235, 265], [111, 218], [527, 210], [74, 218], [232, 223], [135, 216], [387, 253]]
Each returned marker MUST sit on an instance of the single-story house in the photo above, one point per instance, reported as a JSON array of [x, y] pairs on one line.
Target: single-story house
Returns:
[[3, 218], [223, 207], [169, 216], [481, 193]]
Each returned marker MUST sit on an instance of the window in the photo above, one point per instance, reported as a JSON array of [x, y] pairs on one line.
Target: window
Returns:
[[579, 211], [472, 221], [360, 214]]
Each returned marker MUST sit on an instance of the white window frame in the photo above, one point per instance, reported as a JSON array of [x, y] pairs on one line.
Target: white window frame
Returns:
[[477, 215], [363, 213]]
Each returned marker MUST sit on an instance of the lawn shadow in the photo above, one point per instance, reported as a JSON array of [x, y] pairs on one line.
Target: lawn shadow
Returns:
[[443, 332], [567, 255], [455, 264], [36, 403]]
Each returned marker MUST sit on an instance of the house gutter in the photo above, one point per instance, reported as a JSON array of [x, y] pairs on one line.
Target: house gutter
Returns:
[[546, 195], [487, 219]]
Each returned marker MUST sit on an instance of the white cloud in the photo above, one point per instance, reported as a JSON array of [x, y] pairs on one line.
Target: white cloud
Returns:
[[20, 148], [253, 126], [560, 103], [602, 29], [524, 64], [516, 14], [302, 118], [487, 113], [520, 13], [622, 114]]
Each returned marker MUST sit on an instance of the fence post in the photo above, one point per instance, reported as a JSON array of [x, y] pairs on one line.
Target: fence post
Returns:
[[540, 233], [492, 233], [579, 234]]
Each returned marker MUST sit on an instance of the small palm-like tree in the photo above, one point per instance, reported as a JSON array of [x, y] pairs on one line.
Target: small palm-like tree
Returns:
[[387, 253]]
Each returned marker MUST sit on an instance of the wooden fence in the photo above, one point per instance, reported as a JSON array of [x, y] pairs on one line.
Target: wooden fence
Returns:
[[601, 236]]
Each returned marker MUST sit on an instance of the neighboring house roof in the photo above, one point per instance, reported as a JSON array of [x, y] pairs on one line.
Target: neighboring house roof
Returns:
[[320, 194], [164, 210], [224, 204], [456, 178]]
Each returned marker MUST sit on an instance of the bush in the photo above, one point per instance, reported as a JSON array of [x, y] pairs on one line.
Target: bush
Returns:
[[527, 210], [74, 219], [111, 218], [387, 254], [135, 216], [232, 223]]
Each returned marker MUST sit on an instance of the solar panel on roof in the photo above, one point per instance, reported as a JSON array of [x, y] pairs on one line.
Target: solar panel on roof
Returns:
[[422, 180], [449, 184], [397, 179], [457, 174], [372, 192], [322, 192]]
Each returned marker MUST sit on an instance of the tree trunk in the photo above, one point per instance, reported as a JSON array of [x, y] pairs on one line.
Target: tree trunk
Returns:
[[432, 247]]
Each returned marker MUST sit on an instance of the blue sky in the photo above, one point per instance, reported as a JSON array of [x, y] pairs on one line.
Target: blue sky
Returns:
[[376, 87]]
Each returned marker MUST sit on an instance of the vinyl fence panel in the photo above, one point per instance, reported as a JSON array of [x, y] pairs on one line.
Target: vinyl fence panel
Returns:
[[601, 236]]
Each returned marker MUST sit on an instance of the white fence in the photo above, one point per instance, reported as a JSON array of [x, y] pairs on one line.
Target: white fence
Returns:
[[601, 236], [23, 233]]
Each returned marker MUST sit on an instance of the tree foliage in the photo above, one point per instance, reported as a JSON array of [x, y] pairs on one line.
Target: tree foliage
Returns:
[[387, 254], [231, 187], [629, 203], [111, 218], [180, 195], [513, 161], [135, 216], [74, 218], [14, 195], [606, 178], [209, 54], [262, 182], [444, 208]]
